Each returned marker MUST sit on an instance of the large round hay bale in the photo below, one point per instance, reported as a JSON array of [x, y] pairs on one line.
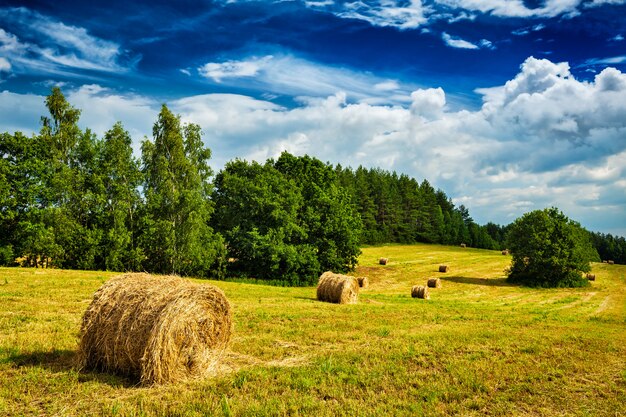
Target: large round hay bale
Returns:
[[157, 328], [505, 252], [383, 261], [611, 262], [443, 268], [363, 282], [463, 245], [591, 277], [434, 283], [337, 288], [419, 291]]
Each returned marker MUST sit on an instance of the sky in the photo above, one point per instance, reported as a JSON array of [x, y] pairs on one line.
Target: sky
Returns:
[[508, 106]]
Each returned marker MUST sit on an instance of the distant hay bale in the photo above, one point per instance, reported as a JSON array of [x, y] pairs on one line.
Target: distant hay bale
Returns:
[[604, 262], [443, 268], [434, 283], [419, 291], [337, 288], [463, 245], [363, 282], [611, 262], [505, 252], [157, 328], [591, 277], [383, 261]]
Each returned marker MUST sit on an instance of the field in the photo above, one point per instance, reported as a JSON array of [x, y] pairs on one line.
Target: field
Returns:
[[479, 346]]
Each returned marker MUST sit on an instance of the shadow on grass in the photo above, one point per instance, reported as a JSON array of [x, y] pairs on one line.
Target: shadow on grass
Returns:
[[492, 282], [66, 361], [306, 298]]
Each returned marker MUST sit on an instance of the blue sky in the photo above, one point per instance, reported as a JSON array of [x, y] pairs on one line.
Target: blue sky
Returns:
[[507, 106]]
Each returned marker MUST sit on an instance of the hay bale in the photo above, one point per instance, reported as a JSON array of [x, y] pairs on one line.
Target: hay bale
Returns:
[[611, 262], [337, 288], [443, 268], [157, 328], [591, 277], [604, 262], [419, 291], [383, 261], [463, 245], [434, 283], [363, 282], [505, 252]]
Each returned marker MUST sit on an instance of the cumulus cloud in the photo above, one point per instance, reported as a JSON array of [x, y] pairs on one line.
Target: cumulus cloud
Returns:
[[542, 138], [53, 47]]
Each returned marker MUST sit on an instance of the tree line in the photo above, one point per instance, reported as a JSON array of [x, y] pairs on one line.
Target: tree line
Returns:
[[69, 199]]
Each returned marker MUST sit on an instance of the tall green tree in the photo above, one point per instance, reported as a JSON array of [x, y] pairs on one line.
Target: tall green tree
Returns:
[[118, 180], [176, 235], [549, 250]]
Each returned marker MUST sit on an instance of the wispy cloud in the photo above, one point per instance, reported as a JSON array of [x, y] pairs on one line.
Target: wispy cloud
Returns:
[[234, 69], [50, 46], [617, 38], [457, 42], [400, 14], [282, 74], [614, 60]]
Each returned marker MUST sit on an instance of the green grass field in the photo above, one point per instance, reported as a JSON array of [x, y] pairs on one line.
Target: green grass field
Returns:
[[479, 346]]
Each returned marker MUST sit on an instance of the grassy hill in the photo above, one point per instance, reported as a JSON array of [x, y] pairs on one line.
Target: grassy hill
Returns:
[[479, 346]]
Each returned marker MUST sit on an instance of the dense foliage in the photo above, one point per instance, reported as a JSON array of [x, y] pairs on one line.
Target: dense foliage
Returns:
[[549, 250], [399, 209], [287, 218]]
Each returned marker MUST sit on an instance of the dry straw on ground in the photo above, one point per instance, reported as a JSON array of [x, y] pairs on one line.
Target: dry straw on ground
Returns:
[[591, 277], [443, 268], [434, 282], [157, 328], [383, 261], [363, 282], [419, 291], [337, 288]]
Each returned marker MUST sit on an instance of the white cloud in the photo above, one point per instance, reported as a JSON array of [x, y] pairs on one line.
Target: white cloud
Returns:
[[617, 38], [54, 47], [400, 14], [233, 69], [598, 3], [606, 61], [457, 42], [543, 138], [5, 65], [516, 8], [292, 76]]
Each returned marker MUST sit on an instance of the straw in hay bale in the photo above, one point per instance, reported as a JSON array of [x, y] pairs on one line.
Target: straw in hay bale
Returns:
[[419, 291], [463, 245], [157, 328], [434, 283], [611, 262], [443, 268], [383, 261], [363, 282], [591, 277], [337, 288]]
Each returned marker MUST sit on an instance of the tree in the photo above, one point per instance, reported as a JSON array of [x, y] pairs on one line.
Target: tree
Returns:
[[257, 213], [549, 250], [176, 235]]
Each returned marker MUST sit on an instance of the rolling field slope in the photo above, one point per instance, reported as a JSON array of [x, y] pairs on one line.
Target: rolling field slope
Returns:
[[479, 346]]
